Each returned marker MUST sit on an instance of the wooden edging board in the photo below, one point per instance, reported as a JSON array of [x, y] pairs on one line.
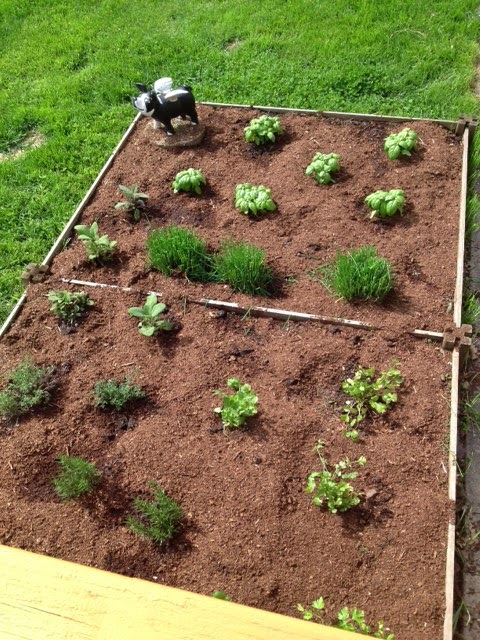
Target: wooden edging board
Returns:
[[218, 618]]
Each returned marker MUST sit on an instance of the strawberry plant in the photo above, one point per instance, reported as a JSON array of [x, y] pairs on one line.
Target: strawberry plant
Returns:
[[76, 477], [69, 306], [400, 144], [156, 520], [189, 180], [98, 247], [322, 166], [330, 488], [369, 393], [263, 130], [150, 323], [255, 200], [135, 202], [239, 406], [385, 204]]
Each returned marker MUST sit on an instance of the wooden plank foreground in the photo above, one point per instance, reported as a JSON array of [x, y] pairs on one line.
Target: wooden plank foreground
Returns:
[[42, 598]]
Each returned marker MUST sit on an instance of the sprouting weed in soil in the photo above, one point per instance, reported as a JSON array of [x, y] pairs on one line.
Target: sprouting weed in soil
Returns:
[[352, 435], [156, 520], [330, 489], [221, 595], [99, 248], [400, 144], [286, 325], [322, 166], [150, 323], [69, 306], [184, 306], [263, 130], [243, 267], [111, 393], [470, 308], [385, 204], [318, 446], [135, 201], [28, 386], [291, 279], [346, 619], [77, 477], [369, 394], [237, 407], [359, 274], [190, 181], [461, 612], [470, 414], [176, 249], [252, 199]]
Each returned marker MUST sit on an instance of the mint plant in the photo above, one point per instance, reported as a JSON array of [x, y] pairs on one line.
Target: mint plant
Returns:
[[111, 393], [69, 306], [76, 477], [330, 488], [27, 387], [369, 394], [255, 200], [400, 144], [150, 323], [238, 407], [156, 520], [99, 248], [135, 201], [322, 166], [189, 180], [263, 130], [385, 204]]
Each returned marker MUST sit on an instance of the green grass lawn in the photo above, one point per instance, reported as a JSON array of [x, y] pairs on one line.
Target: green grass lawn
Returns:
[[68, 69]]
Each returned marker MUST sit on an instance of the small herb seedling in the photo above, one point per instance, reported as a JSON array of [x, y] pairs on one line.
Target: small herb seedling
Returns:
[[189, 180], [28, 386], [69, 306], [314, 612], [76, 477], [238, 407], [255, 200], [221, 595], [400, 144], [156, 520], [263, 130], [150, 323], [322, 166], [98, 247], [369, 393], [111, 393], [385, 204], [330, 488], [135, 202]]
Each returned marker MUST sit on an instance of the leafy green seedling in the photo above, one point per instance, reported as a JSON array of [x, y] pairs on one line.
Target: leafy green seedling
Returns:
[[135, 202], [221, 595], [400, 144], [98, 248], [150, 323], [255, 200], [322, 166], [314, 612], [111, 393], [263, 130], [156, 520], [238, 407], [76, 477], [330, 488], [189, 180], [28, 386], [369, 393], [69, 306], [385, 204]]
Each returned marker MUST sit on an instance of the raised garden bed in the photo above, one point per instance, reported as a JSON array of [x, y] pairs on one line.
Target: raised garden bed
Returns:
[[249, 528]]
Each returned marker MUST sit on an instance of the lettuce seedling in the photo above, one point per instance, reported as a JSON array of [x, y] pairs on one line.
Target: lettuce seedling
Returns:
[[69, 306], [322, 166], [263, 130], [98, 247], [330, 488], [238, 407], [189, 181], [400, 144], [385, 203], [251, 199], [135, 202], [150, 323]]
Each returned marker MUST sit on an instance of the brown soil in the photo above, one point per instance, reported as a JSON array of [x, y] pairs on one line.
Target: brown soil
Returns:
[[249, 528]]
